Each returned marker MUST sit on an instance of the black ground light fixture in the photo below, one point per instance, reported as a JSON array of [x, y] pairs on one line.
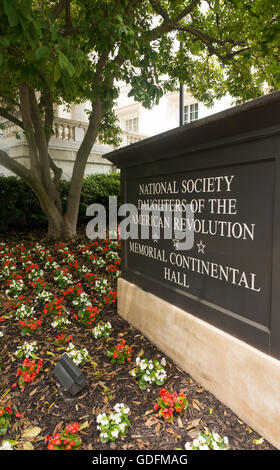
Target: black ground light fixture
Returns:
[[72, 379]]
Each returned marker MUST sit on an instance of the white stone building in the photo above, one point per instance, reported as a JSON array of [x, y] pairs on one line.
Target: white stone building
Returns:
[[136, 122], [165, 116]]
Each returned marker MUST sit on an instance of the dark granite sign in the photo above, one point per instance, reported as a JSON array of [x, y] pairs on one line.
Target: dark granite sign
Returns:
[[227, 168]]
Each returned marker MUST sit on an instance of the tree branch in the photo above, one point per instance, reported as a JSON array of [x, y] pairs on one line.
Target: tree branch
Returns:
[[169, 24], [205, 37], [159, 8], [47, 103], [68, 15], [29, 132], [56, 171], [10, 117], [74, 195], [58, 9], [15, 167], [186, 11], [42, 145], [99, 68]]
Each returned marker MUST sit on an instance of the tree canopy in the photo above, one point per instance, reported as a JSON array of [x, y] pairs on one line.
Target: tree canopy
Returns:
[[72, 51]]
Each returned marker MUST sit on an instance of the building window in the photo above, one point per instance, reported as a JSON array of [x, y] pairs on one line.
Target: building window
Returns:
[[186, 114], [193, 112], [190, 113], [132, 125]]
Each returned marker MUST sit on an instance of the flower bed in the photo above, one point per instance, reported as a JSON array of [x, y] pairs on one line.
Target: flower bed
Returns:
[[62, 298]]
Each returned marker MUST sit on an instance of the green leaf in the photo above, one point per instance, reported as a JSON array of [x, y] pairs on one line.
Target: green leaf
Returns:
[[4, 41], [3, 431], [1, 59], [10, 12], [70, 69], [10, 441], [13, 19], [41, 52], [57, 72], [8, 7], [6, 392], [63, 61]]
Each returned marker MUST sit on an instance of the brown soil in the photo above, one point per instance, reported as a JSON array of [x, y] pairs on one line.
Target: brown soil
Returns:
[[41, 404]]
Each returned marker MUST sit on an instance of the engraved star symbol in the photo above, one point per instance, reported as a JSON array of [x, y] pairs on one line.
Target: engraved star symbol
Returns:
[[175, 242], [155, 238], [201, 247]]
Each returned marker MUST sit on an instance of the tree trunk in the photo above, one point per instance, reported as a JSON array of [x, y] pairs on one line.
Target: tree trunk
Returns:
[[74, 195], [59, 229]]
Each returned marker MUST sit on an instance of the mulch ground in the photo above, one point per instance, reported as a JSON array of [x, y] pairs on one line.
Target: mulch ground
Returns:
[[42, 405]]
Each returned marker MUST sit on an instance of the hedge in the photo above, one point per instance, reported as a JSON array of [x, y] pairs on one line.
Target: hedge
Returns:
[[20, 207]]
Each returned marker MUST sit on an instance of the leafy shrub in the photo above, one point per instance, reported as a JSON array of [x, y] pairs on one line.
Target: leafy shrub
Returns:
[[98, 188], [20, 206]]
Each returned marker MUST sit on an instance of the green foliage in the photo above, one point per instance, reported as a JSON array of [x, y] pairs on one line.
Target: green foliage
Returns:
[[98, 188], [19, 205], [229, 46]]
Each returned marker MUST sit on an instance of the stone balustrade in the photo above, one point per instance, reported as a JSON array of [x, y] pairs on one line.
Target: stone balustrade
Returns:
[[67, 130]]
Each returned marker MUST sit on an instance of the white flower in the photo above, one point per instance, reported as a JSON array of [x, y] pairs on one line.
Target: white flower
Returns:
[[117, 419], [27, 349], [202, 439], [6, 446], [196, 443], [122, 427], [100, 417], [118, 407], [60, 321], [216, 436], [115, 433]]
